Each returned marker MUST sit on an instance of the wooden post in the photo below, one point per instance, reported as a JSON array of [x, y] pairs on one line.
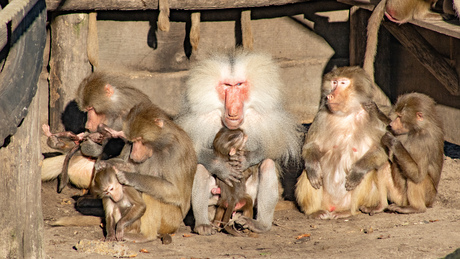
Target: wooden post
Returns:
[[126, 5], [357, 45], [69, 63], [20, 188]]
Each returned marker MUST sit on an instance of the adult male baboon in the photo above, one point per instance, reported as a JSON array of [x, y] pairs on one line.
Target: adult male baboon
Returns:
[[238, 89]]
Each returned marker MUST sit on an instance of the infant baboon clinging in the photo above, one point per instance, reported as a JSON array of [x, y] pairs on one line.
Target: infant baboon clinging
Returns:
[[226, 143]]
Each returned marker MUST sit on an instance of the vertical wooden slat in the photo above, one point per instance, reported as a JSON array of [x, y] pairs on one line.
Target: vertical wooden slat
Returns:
[[20, 188], [358, 24], [69, 63]]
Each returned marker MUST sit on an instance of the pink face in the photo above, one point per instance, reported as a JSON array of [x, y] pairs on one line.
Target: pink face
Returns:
[[337, 97], [114, 191], [397, 126], [94, 119], [234, 94], [140, 152]]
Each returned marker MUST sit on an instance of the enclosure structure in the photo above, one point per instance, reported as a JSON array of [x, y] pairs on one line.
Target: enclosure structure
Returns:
[[22, 40], [307, 38], [420, 56]]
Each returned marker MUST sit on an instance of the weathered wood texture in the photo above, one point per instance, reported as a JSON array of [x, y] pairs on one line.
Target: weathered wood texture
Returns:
[[20, 187], [358, 36], [365, 4], [69, 63], [426, 54], [127, 5], [439, 26]]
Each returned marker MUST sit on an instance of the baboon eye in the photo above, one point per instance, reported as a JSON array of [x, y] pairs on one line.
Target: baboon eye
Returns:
[[334, 84]]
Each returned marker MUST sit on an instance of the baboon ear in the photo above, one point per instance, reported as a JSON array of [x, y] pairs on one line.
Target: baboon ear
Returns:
[[109, 90], [159, 122], [245, 139], [419, 116], [232, 151]]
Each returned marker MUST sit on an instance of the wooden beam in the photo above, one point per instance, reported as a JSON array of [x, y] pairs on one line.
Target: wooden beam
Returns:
[[440, 26], [132, 5], [364, 4], [426, 54]]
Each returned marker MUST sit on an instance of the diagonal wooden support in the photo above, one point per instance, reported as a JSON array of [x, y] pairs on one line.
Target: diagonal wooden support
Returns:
[[409, 37]]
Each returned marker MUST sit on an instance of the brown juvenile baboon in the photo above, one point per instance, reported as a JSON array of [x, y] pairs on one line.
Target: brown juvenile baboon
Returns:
[[342, 150], [239, 89], [226, 143], [123, 205], [163, 166], [415, 146]]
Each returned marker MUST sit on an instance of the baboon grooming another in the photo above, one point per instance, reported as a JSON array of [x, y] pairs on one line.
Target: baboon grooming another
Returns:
[[161, 165], [416, 149], [107, 99]]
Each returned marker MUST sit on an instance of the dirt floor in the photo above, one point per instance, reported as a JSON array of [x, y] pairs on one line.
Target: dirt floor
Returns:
[[433, 234]]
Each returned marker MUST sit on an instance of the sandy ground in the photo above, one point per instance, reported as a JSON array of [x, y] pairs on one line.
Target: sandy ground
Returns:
[[433, 234]]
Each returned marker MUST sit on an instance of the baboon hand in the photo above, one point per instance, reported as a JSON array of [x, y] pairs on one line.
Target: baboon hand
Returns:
[[353, 180], [314, 175]]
